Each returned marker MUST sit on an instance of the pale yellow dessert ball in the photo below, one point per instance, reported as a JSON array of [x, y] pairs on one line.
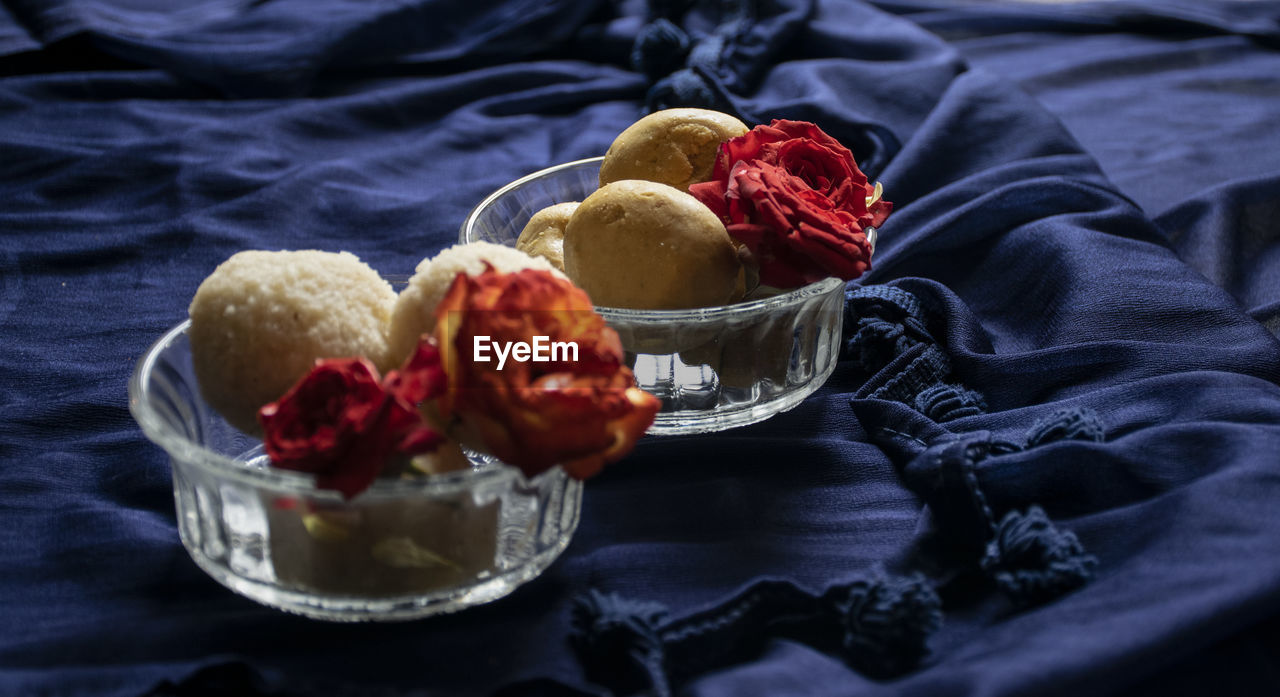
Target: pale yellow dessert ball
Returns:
[[543, 235], [644, 245], [676, 147], [414, 312], [261, 319]]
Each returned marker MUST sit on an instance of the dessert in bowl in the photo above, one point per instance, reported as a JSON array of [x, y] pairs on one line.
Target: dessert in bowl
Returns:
[[718, 347], [399, 482], [713, 367], [402, 549]]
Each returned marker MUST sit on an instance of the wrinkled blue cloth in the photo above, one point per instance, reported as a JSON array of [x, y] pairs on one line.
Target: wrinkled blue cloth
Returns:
[[1176, 100], [1086, 200]]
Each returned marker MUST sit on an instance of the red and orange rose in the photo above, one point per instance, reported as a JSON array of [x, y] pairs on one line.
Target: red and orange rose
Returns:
[[794, 196], [580, 413]]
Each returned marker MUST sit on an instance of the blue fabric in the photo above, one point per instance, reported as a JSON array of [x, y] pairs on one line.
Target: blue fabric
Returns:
[[1084, 238], [1177, 101]]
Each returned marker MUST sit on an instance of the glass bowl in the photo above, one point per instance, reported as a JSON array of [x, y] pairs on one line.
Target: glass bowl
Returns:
[[713, 368], [399, 550]]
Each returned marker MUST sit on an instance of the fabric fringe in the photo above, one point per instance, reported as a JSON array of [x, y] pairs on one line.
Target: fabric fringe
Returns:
[[880, 626]]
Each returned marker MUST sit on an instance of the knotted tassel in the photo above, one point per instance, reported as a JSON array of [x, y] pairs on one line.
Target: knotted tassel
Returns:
[[877, 341], [887, 623], [1032, 561], [685, 87], [659, 49], [686, 70], [618, 643], [1077, 423], [881, 322], [945, 402], [928, 366], [879, 626]]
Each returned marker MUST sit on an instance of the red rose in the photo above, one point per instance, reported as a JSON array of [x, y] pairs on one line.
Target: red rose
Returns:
[[812, 226], [761, 143], [580, 412], [797, 235], [808, 152], [341, 424]]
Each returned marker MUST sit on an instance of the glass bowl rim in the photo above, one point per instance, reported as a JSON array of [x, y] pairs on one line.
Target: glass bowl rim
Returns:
[[181, 448], [663, 317]]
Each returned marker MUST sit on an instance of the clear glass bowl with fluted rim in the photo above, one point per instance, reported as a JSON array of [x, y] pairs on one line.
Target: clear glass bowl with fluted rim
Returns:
[[713, 368], [401, 549]]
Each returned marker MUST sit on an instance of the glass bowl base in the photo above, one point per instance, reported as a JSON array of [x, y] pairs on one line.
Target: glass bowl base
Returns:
[[403, 548], [348, 608]]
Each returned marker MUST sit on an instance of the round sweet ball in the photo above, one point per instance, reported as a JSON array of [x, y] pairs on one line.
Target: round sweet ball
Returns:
[[676, 147], [261, 319], [644, 245], [543, 235], [414, 312]]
